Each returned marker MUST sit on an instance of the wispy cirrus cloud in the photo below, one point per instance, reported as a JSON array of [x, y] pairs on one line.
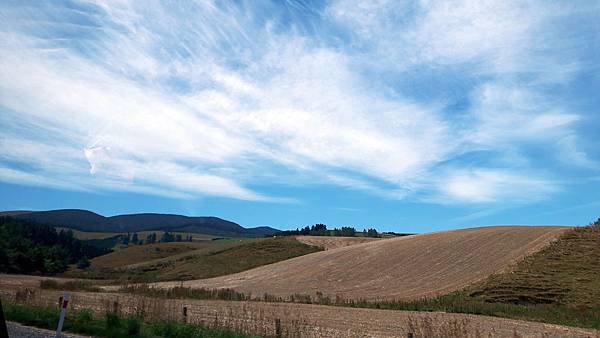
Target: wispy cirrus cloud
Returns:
[[215, 98]]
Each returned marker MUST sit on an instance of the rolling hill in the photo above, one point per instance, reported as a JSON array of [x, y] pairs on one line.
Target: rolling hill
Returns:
[[186, 261], [85, 220], [399, 268]]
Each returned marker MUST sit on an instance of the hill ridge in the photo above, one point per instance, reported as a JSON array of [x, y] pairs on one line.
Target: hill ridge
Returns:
[[86, 220]]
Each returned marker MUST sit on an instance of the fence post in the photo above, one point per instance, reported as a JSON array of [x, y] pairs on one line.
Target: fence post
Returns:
[[63, 313], [278, 332]]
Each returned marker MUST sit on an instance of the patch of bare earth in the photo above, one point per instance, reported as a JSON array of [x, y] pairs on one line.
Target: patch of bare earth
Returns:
[[399, 268]]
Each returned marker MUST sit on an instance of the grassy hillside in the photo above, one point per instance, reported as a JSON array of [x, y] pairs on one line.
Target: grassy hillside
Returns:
[[199, 260], [143, 253], [567, 272]]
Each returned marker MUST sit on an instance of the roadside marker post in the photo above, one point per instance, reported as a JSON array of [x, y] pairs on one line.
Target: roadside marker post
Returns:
[[63, 312]]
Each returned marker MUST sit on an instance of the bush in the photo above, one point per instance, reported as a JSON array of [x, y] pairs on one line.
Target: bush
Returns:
[[72, 285], [83, 263], [133, 326]]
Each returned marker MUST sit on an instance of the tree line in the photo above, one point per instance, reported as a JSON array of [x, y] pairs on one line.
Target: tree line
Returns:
[[321, 230], [30, 247]]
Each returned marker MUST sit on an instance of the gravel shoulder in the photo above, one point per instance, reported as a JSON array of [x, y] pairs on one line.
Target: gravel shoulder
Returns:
[[16, 330]]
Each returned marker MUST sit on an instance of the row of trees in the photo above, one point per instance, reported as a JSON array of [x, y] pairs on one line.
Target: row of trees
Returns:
[[321, 230], [27, 247], [166, 237]]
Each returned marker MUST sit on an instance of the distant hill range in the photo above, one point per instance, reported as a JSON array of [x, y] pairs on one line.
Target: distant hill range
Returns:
[[85, 220]]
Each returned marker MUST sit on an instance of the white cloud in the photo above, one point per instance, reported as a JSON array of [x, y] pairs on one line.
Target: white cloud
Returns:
[[508, 114], [571, 154], [485, 186]]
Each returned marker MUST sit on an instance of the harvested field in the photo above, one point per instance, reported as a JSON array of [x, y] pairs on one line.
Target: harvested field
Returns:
[[400, 268], [299, 320], [329, 242]]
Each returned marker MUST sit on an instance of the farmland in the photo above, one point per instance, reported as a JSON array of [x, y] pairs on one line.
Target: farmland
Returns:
[[408, 267], [296, 320], [192, 260], [352, 286], [143, 253]]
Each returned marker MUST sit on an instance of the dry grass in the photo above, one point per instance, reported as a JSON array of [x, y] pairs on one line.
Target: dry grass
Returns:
[[409, 267]]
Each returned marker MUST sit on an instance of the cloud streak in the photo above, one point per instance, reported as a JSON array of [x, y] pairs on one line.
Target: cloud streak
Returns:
[[215, 99]]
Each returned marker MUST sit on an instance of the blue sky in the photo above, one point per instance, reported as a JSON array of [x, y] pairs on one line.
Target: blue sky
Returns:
[[403, 115]]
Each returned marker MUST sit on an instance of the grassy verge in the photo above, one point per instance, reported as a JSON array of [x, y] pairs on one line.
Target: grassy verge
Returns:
[[111, 325]]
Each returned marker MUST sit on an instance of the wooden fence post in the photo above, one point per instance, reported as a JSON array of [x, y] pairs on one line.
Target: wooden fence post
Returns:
[[278, 332]]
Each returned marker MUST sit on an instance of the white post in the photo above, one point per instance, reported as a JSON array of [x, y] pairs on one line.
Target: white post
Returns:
[[63, 312]]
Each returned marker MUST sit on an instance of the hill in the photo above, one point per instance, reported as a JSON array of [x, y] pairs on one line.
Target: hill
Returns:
[[398, 268], [184, 261], [143, 253], [85, 220]]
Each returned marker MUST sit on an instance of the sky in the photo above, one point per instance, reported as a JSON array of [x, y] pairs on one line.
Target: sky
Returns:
[[407, 116]]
